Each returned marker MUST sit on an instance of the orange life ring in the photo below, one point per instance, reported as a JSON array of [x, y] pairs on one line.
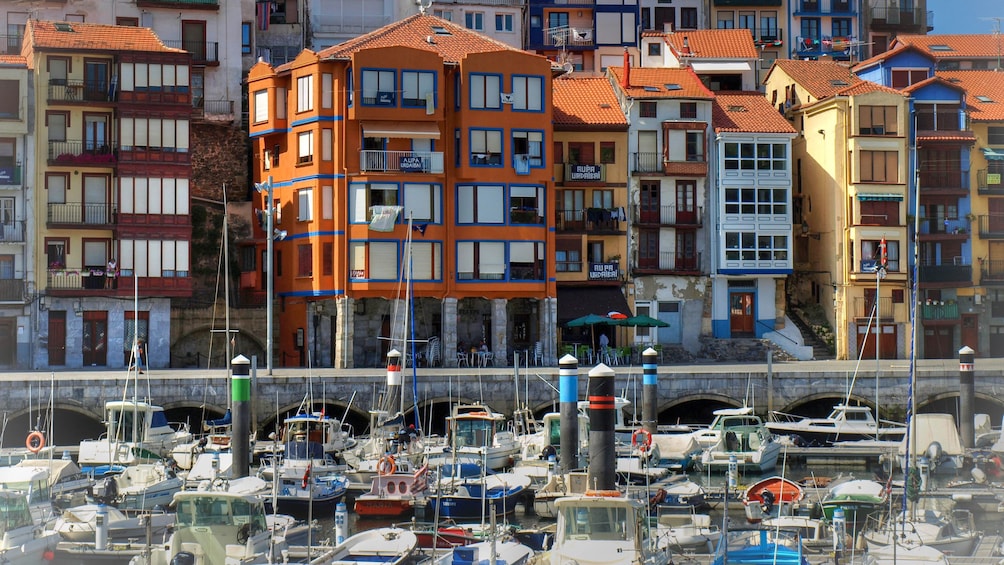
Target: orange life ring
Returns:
[[386, 465], [35, 442], [643, 444]]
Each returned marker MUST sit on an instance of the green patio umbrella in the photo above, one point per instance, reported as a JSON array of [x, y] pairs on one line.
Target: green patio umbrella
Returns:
[[590, 320], [642, 321]]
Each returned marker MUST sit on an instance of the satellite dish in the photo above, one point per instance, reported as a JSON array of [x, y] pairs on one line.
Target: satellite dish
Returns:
[[568, 66]]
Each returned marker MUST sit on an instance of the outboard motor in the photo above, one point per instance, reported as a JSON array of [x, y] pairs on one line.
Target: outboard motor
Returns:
[[934, 452], [105, 491]]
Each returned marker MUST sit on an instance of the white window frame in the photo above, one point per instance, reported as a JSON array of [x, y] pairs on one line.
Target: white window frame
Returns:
[[305, 93], [305, 204]]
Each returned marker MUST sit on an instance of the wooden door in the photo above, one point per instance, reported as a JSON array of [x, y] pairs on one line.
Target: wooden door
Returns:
[[686, 251], [94, 344], [686, 196], [649, 203], [741, 314], [57, 338], [648, 249], [887, 342], [8, 336], [971, 332], [938, 342], [995, 223]]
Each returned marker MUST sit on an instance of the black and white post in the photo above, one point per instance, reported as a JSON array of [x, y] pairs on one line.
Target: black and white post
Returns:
[[240, 393], [650, 390], [967, 396]]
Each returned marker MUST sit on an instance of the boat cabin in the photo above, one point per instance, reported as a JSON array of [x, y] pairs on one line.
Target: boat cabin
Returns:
[[602, 529], [474, 426], [30, 484]]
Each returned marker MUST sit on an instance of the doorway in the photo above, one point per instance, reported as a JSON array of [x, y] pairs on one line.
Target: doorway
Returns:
[[94, 345], [8, 335], [57, 338], [741, 314]]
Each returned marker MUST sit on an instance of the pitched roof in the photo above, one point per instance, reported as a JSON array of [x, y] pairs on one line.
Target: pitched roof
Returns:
[[586, 101], [13, 61], [647, 82], [864, 87], [819, 78], [451, 41], [932, 80], [984, 93], [875, 59], [956, 46], [79, 36], [747, 112], [713, 43]]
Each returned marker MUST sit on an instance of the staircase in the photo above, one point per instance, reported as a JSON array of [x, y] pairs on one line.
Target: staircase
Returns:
[[819, 349]]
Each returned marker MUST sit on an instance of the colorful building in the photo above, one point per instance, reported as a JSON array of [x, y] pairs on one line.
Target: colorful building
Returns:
[[114, 168], [582, 35], [422, 123], [767, 21], [825, 29]]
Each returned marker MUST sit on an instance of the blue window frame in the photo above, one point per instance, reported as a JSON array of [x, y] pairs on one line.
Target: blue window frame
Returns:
[[526, 205], [379, 87], [486, 147], [527, 93], [415, 86], [503, 22], [349, 82], [485, 92], [528, 145]]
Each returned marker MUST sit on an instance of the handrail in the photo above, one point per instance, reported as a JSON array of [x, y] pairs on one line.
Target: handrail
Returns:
[[777, 332]]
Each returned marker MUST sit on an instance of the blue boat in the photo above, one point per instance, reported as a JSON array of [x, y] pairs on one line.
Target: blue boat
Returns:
[[473, 497], [760, 547]]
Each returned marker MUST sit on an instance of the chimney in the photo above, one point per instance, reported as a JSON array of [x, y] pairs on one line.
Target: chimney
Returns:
[[626, 79], [686, 46]]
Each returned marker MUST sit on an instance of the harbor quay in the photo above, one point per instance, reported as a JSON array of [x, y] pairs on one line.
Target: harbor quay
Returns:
[[686, 393]]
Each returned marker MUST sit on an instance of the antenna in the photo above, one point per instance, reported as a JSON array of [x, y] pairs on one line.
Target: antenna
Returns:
[[423, 5]]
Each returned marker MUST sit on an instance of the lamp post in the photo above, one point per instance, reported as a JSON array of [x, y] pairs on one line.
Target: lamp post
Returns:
[[267, 209]]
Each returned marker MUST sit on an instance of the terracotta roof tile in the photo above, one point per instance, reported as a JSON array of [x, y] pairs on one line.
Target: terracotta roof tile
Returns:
[[924, 135], [960, 46], [819, 78], [871, 61], [451, 41], [984, 93], [79, 36], [713, 43], [864, 87], [13, 61], [586, 101], [747, 112], [656, 80]]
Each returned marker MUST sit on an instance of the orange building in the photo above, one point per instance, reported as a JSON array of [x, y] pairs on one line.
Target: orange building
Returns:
[[421, 122]]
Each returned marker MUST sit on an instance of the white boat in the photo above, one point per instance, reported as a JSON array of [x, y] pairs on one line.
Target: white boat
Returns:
[[388, 546], [741, 434], [844, 423], [135, 432], [363, 461], [504, 552], [77, 524], [687, 532], [144, 486], [915, 555], [22, 540], [814, 533], [951, 533], [557, 487], [67, 484], [540, 440], [935, 441], [475, 430], [33, 484]]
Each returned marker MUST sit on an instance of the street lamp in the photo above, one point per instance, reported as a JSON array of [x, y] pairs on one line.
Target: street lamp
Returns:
[[273, 235]]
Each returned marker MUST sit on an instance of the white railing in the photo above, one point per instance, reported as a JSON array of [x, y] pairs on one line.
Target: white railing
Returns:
[[402, 161]]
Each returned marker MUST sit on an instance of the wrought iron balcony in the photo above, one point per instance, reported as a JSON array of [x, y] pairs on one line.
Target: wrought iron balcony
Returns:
[[669, 262], [988, 182], [401, 161], [992, 271], [13, 290], [957, 180], [80, 91], [596, 220], [202, 51], [667, 215], [646, 162], [11, 44], [99, 153], [567, 36], [991, 226], [957, 271], [77, 214], [193, 4], [943, 226]]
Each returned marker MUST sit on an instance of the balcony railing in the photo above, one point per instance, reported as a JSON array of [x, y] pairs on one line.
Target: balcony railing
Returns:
[[180, 3], [80, 91], [218, 107], [566, 36], [278, 54], [575, 172], [668, 215], [865, 308], [73, 214], [767, 36], [939, 311], [944, 179], [202, 51], [11, 44], [824, 8], [992, 271], [957, 271], [12, 232], [94, 153], [647, 162], [588, 219], [892, 15], [670, 262], [823, 45], [992, 226], [401, 161], [943, 226], [13, 290], [10, 176], [988, 182]]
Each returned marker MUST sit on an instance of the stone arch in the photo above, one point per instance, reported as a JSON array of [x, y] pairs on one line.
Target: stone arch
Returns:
[[192, 348], [270, 423], [69, 422], [699, 397], [854, 399]]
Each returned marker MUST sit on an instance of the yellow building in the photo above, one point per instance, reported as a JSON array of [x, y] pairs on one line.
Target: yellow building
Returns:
[[850, 198], [18, 301]]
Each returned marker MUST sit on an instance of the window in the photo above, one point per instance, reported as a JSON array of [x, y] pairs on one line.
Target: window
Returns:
[[529, 145], [688, 18], [772, 201], [841, 27], [772, 247], [768, 26], [364, 195], [810, 29], [426, 260], [654, 49], [902, 78], [503, 22], [260, 106], [379, 88], [880, 212], [305, 93], [373, 260], [647, 109], [127, 22], [416, 86], [57, 123], [486, 147], [938, 116], [55, 250], [422, 202], [747, 20], [475, 21], [485, 91], [771, 156], [480, 204], [695, 146], [995, 135], [245, 37], [327, 258], [481, 260], [526, 261], [526, 205], [740, 201], [871, 255], [305, 147], [527, 93], [305, 260], [568, 257], [608, 152], [55, 186], [726, 19], [688, 110], [740, 246], [445, 14], [879, 166], [153, 195], [580, 153], [756, 156], [305, 204], [877, 120]]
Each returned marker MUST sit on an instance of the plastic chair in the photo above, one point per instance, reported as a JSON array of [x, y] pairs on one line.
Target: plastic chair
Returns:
[[462, 359], [538, 353]]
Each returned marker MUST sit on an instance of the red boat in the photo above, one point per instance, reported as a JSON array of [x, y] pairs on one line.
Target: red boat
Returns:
[[393, 494], [770, 498]]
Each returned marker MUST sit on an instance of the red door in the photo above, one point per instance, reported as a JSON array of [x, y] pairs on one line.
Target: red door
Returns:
[[649, 203], [686, 251], [648, 249], [939, 342], [741, 314], [887, 342], [57, 337], [95, 339], [686, 196], [970, 332]]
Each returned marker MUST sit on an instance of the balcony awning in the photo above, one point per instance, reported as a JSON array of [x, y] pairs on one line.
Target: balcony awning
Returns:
[[575, 302], [719, 66], [992, 154], [411, 130], [880, 197]]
